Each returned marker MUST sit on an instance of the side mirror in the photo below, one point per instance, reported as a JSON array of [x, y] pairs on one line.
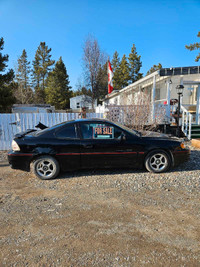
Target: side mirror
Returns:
[[123, 137]]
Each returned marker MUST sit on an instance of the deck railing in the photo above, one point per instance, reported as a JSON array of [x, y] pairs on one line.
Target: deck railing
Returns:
[[187, 119]]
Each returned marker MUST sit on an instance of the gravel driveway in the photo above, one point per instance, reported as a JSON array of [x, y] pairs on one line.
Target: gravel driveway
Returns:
[[101, 218]]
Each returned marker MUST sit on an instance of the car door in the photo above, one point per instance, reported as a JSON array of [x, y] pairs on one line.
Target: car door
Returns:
[[68, 147], [106, 145]]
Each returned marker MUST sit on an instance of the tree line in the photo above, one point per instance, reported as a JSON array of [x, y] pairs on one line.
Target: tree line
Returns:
[[47, 81]]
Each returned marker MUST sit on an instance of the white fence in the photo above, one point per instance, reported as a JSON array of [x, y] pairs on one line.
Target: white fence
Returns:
[[10, 124]]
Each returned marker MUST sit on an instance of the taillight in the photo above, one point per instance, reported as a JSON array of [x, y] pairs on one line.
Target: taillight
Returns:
[[15, 146]]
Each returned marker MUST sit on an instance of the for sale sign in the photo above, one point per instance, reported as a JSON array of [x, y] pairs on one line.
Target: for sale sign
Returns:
[[100, 132]]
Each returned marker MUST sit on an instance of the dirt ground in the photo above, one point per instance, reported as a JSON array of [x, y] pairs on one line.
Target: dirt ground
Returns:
[[100, 218]]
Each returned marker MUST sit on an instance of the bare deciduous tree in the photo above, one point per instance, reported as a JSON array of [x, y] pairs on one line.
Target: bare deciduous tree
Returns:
[[93, 60]]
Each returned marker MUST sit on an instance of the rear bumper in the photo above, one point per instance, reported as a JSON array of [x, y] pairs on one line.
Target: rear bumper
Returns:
[[181, 156], [20, 161]]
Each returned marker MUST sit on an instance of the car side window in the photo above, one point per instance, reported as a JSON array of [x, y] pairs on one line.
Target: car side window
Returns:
[[68, 132], [117, 133], [86, 130], [100, 131]]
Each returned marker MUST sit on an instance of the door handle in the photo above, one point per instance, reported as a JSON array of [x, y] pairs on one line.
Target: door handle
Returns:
[[88, 146]]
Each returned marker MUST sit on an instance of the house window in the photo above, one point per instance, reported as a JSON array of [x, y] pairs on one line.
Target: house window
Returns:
[[157, 94]]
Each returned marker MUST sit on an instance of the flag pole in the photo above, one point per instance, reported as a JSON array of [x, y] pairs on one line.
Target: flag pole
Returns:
[[108, 72], [110, 77]]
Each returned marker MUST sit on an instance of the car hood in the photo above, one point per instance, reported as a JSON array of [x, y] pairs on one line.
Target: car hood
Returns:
[[158, 136]]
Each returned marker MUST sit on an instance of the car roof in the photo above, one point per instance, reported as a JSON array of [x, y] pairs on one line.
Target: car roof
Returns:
[[90, 119], [73, 121]]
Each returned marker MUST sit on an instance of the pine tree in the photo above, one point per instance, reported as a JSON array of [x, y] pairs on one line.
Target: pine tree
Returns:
[[116, 71], [57, 90], [195, 46], [24, 93], [102, 81], [36, 75], [134, 65], [6, 95], [39, 95], [154, 68], [124, 73], [41, 67], [82, 91], [115, 61]]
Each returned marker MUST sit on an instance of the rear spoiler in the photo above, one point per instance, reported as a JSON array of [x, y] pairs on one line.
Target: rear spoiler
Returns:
[[40, 125], [22, 134]]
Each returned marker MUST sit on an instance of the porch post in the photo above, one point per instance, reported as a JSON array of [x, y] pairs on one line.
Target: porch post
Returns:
[[168, 98], [198, 105], [153, 98], [181, 83]]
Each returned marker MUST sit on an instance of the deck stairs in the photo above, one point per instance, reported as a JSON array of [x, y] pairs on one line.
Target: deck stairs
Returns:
[[189, 126], [195, 131]]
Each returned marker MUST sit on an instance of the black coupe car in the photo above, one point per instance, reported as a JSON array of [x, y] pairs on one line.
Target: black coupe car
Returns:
[[93, 143]]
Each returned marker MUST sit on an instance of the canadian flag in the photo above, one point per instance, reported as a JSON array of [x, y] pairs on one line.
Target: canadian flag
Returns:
[[110, 76]]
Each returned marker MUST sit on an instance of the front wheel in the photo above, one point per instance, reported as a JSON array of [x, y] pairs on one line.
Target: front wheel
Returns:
[[157, 161], [46, 167]]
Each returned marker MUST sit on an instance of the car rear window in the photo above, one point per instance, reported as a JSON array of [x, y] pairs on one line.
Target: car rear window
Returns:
[[38, 133]]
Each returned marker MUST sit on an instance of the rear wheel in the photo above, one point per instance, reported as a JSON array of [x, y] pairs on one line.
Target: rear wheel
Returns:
[[46, 167], [157, 161]]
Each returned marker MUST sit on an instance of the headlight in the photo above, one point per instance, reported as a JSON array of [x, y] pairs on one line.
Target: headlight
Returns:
[[15, 146]]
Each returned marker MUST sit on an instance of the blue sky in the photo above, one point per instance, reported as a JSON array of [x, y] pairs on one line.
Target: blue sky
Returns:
[[159, 29]]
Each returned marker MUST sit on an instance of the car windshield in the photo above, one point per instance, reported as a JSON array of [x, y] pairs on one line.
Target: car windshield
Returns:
[[128, 129]]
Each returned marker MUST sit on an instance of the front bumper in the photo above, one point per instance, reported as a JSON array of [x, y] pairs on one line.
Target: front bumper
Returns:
[[19, 160], [181, 156]]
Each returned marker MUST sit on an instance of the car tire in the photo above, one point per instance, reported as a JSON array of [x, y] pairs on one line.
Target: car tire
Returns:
[[46, 167], [157, 161]]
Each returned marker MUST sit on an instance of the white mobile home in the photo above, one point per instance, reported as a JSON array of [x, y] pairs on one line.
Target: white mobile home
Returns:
[[81, 101]]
